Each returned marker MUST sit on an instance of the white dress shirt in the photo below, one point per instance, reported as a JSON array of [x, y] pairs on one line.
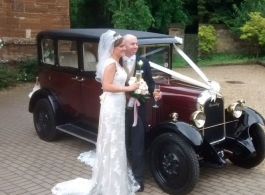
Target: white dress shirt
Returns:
[[129, 62]]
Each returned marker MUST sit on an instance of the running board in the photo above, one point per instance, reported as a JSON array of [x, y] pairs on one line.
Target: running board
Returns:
[[79, 131]]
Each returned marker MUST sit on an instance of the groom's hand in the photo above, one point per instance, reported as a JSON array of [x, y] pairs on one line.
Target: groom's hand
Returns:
[[159, 95]]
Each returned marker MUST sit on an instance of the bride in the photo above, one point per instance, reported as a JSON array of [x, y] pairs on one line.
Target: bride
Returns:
[[111, 174]]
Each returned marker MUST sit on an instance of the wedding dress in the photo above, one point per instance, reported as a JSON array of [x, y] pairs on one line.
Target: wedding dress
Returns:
[[111, 173]]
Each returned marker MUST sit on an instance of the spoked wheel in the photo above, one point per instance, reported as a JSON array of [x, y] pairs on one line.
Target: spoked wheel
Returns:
[[174, 164], [258, 138], [44, 120]]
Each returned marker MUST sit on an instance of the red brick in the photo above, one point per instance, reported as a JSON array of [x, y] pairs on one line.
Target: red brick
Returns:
[[18, 15], [36, 8]]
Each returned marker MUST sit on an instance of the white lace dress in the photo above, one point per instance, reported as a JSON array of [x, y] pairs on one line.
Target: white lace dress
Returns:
[[111, 174]]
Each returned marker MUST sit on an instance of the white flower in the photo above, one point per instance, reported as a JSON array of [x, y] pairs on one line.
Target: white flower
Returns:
[[132, 80], [138, 91], [140, 64], [1, 43]]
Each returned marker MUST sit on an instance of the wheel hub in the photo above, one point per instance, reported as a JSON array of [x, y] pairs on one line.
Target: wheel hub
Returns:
[[171, 164], [43, 120]]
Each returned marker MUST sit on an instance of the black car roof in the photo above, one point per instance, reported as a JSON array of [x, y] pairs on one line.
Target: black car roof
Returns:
[[93, 33]]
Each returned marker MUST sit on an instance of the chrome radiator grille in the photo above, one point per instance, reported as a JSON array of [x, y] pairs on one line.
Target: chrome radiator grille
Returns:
[[214, 128]]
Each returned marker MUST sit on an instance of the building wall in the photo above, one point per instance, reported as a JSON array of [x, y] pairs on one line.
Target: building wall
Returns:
[[21, 20]]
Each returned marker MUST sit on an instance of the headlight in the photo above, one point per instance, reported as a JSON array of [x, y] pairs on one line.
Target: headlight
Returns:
[[198, 117], [236, 109]]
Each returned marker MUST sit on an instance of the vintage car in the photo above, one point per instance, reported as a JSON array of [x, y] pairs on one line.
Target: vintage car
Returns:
[[191, 127]]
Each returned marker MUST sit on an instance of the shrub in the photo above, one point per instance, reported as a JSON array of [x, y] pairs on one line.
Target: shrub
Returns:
[[8, 76], [27, 70], [254, 30], [207, 39]]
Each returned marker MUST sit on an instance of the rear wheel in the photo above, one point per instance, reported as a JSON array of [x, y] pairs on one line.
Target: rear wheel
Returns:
[[44, 120], [174, 164], [258, 138]]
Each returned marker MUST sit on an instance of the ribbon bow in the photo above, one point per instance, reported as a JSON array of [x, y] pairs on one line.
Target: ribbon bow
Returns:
[[214, 89], [136, 103]]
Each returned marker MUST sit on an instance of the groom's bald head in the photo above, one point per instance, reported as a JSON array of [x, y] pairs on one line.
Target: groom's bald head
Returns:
[[131, 44]]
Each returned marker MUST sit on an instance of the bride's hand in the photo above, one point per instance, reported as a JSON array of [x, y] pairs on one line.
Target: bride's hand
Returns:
[[134, 86]]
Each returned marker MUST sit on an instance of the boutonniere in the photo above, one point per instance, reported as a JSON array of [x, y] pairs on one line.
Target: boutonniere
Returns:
[[140, 64]]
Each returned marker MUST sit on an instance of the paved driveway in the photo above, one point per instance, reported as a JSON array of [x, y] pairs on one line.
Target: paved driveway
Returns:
[[31, 166]]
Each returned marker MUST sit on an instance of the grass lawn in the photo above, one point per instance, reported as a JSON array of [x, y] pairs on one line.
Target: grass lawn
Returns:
[[218, 59]]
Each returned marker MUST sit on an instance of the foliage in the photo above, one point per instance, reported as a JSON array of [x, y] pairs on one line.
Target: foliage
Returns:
[[216, 11], [166, 12], [7, 76], [254, 30], [130, 14], [241, 14], [89, 14], [207, 38], [27, 70]]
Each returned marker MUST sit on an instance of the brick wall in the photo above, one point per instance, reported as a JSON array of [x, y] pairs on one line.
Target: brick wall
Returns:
[[21, 20]]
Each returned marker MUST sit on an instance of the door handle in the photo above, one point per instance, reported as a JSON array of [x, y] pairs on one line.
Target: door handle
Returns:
[[81, 80], [75, 78]]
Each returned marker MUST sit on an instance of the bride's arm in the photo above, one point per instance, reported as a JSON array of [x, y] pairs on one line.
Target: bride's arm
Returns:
[[107, 84]]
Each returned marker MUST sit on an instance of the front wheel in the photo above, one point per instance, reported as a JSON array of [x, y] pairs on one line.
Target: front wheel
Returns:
[[258, 138], [174, 164], [44, 120]]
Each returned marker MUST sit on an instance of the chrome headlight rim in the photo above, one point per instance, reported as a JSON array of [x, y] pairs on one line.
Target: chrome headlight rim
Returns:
[[198, 118], [236, 109]]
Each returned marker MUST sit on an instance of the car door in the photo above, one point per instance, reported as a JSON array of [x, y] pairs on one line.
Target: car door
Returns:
[[66, 79], [90, 88]]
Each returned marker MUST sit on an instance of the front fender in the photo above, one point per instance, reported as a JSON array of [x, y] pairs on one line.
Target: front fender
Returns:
[[253, 116], [241, 127], [42, 93], [189, 133]]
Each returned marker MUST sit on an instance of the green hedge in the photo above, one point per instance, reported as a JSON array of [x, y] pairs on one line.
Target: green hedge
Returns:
[[24, 71]]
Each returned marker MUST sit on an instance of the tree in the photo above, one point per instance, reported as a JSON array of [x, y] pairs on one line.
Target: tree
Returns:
[[165, 12], [216, 11], [130, 14], [254, 30], [241, 14], [155, 15], [89, 14]]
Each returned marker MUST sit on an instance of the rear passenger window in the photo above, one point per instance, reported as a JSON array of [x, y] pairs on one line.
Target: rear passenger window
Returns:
[[67, 53], [89, 56], [47, 51]]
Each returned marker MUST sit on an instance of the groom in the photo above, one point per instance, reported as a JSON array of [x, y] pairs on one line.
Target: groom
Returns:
[[135, 136]]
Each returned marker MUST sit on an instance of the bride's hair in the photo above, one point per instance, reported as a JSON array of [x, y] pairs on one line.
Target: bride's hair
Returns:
[[107, 42], [118, 42]]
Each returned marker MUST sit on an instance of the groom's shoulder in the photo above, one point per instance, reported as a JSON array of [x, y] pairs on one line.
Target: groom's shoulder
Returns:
[[138, 58]]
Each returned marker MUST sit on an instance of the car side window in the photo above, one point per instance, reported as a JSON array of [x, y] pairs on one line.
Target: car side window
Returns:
[[89, 56], [47, 47], [67, 53], [158, 54]]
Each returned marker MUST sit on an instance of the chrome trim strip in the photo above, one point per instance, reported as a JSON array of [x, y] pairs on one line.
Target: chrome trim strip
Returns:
[[218, 140], [220, 124]]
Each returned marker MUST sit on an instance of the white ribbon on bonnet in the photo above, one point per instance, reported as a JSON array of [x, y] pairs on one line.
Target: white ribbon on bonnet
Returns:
[[212, 86]]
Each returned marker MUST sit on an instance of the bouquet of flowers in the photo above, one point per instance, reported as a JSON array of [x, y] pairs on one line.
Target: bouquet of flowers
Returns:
[[140, 93]]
